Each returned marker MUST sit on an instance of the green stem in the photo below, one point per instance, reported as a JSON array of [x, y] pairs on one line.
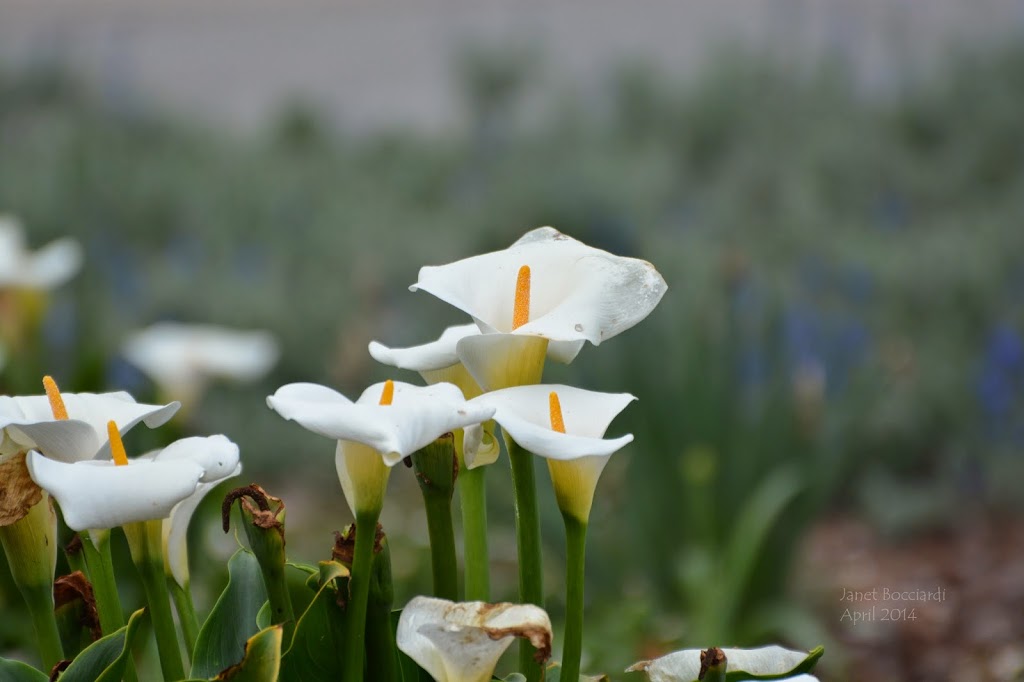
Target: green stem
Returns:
[[359, 588], [442, 545], [575, 554], [381, 653], [186, 609], [531, 578], [75, 552], [145, 539], [96, 546], [40, 605], [473, 496]]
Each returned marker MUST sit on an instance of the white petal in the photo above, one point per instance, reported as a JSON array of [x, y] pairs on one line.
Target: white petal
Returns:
[[462, 642], [416, 417], [217, 455], [684, 666], [554, 445], [53, 264], [434, 355], [578, 293], [176, 528], [479, 446], [175, 354], [99, 495], [585, 413], [33, 419]]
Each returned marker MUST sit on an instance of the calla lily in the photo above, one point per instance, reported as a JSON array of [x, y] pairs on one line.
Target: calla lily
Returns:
[[462, 642], [175, 527], [102, 494], [545, 286], [373, 436], [28, 423], [577, 455], [181, 358], [437, 362], [49, 267], [771, 662]]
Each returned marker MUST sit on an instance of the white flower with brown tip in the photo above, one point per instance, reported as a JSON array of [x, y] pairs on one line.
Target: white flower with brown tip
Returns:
[[462, 641]]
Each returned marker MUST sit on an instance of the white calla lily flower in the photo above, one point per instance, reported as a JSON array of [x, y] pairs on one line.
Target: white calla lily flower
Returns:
[[438, 362], [565, 425], [388, 422], [181, 358], [547, 286], [103, 494], [47, 268], [28, 423], [462, 641], [685, 665], [220, 463]]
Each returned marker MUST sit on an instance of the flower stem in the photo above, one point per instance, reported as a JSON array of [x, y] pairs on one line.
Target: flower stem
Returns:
[[575, 554], [531, 578], [96, 547], [186, 609], [436, 465], [442, 546], [381, 654], [473, 496], [101, 573], [359, 588], [40, 605], [145, 539]]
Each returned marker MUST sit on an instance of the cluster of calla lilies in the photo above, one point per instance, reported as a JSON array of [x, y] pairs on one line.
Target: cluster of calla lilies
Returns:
[[543, 297]]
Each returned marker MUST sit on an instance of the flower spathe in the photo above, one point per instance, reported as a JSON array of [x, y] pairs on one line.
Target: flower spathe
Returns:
[[462, 641], [181, 358], [577, 456], [576, 293], [370, 434], [99, 494], [47, 268], [28, 423], [776, 661], [438, 362]]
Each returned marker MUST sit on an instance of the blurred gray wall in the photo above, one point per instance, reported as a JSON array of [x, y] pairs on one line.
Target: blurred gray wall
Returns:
[[388, 62]]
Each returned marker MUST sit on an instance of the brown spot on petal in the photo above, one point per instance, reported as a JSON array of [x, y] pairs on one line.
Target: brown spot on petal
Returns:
[[539, 637], [712, 657], [18, 492], [75, 586]]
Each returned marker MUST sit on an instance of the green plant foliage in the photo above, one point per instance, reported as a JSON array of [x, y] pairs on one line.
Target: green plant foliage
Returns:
[[16, 671], [411, 672], [222, 638], [314, 652], [105, 659], [262, 661]]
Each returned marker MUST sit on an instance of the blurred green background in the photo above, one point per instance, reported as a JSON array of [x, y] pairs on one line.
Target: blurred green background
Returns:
[[842, 338]]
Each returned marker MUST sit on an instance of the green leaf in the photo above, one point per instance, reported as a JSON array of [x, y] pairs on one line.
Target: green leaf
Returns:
[[16, 671], [105, 659], [262, 660], [315, 650], [223, 637]]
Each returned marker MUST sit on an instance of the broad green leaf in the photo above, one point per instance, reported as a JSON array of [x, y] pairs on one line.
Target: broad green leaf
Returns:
[[316, 646], [262, 660], [222, 638], [105, 659], [16, 671]]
